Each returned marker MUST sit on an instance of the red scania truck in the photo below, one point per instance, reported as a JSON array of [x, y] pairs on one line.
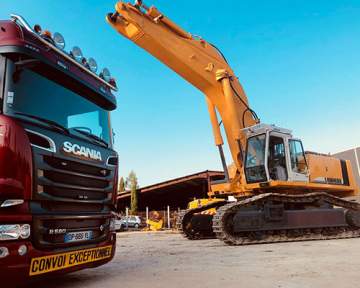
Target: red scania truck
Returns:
[[58, 169]]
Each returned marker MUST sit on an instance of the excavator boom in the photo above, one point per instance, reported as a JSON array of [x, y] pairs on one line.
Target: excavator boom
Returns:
[[198, 62]]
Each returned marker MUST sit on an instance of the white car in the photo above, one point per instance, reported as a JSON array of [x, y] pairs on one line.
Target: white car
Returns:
[[129, 221]]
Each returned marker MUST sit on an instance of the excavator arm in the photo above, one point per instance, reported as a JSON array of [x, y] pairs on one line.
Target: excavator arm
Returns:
[[198, 62]]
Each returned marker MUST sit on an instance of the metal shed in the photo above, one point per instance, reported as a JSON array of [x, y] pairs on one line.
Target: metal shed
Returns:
[[175, 193]]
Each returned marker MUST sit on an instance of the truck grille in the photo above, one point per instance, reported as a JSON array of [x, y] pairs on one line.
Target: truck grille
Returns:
[[69, 195], [49, 232], [75, 166], [60, 179]]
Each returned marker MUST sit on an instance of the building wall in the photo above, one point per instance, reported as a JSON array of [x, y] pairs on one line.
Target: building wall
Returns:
[[354, 156]]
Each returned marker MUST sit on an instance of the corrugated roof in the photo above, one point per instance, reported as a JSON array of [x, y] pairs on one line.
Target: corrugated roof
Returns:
[[200, 175]]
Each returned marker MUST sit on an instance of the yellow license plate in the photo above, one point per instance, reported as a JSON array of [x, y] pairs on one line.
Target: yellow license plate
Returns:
[[56, 262]]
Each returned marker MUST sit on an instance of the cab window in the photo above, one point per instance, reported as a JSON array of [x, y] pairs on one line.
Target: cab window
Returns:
[[255, 159], [276, 159], [297, 156]]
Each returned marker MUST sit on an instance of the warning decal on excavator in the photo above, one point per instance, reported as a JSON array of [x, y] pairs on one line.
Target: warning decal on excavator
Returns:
[[56, 262]]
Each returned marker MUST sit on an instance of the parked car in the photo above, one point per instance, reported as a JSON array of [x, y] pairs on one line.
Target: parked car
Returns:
[[129, 221], [118, 226]]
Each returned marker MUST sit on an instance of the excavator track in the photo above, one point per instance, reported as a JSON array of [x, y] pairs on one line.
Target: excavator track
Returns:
[[185, 218], [222, 226]]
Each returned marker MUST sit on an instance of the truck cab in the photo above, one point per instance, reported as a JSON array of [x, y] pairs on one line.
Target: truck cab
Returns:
[[58, 168]]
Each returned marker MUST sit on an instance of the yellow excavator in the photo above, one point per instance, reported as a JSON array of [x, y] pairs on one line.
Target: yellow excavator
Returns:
[[281, 193]]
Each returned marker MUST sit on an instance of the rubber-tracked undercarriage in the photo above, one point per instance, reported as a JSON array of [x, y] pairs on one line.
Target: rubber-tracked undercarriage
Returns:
[[194, 224], [274, 217]]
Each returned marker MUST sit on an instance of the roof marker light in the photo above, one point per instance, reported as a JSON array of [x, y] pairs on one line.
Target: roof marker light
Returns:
[[85, 63], [105, 74], [37, 28], [46, 34], [92, 64], [76, 54], [113, 82], [59, 40]]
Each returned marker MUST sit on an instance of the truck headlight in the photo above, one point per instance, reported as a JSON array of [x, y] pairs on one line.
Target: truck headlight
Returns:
[[14, 231], [4, 252], [25, 231]]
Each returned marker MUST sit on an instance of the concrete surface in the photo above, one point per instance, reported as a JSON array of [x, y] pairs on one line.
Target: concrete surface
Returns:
[[167, 260]]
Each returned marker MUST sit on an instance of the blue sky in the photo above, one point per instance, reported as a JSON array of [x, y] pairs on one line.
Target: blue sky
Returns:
[[299, 62]]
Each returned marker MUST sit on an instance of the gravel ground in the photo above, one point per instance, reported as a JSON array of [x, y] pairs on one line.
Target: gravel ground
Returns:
[[165, 259]]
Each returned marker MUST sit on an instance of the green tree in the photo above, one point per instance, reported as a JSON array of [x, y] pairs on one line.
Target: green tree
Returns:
[[121, 187], [132, 183]]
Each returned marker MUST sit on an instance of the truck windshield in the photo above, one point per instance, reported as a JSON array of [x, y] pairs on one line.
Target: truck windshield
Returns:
[[34, 95]]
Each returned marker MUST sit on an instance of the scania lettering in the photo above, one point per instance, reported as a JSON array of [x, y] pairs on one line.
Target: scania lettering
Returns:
[[58, 172], [82, 151]]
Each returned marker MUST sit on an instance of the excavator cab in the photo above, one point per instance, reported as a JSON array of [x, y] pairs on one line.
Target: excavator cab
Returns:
[[272, 154]]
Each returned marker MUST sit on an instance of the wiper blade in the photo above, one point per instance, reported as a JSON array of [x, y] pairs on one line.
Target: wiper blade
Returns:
[[92, 136], [51, 123]]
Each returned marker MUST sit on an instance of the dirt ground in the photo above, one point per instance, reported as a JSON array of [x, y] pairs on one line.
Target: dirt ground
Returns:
[[165, 259]]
